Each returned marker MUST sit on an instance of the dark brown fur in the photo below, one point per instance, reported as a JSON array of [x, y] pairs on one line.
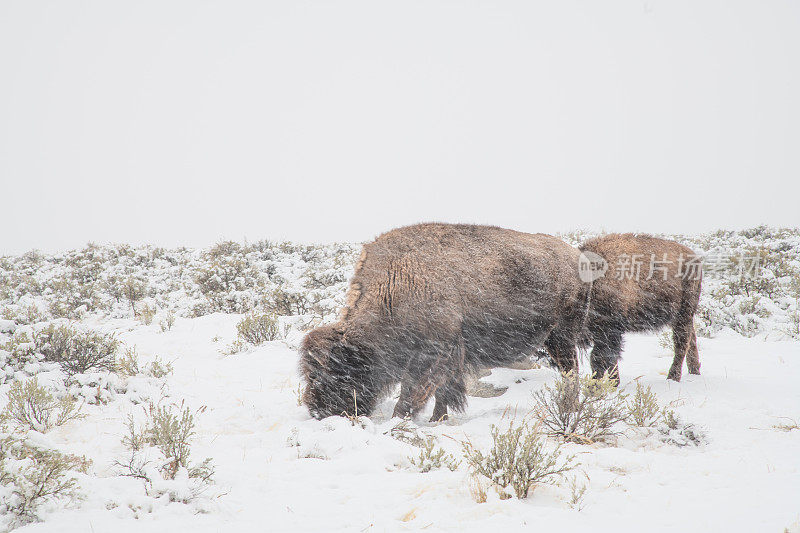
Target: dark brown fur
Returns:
[[429, 301], [668, 298]]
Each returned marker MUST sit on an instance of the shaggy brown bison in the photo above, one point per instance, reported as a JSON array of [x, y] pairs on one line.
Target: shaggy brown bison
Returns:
[[428, 302], [650, 283]]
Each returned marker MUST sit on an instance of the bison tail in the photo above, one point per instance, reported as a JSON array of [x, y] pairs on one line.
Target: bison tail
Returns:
[[584, 339]]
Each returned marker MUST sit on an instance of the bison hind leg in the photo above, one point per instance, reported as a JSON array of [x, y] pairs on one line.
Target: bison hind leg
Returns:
[[403, 407], [685, 341], [605, 353], [452, 394], [692, 355]]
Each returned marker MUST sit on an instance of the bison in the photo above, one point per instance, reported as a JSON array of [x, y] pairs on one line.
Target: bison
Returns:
[[650, 283], [428, 303]]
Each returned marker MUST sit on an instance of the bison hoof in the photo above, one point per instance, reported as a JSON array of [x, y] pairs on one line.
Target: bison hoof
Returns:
[[439, 418], [695, 371], [674, 376]]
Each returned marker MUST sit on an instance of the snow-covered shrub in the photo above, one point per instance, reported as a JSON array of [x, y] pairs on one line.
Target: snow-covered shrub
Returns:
[[136, 381], [158, 368], [31, 476], [159, 454], [32, 406], [303, 280], [100, 387], [581, 409], [671, 419], [747, 280], [579, 236], [257, 328], [788, 426], [146, 314], [665, 340], [405, 431], [794, 324], [477, 488], [433, 457], [576, 493], [25, 314], [793, 327], [167, 322], [170, 430], [17, 353], [113, 285], [322, 275], [134, 290], [69, 299], [287, 302], [643, 408], [237, 346], [227, 279], [518, 459], [674, 431], [128, 364], [52, 341], [77, 351], [80, 363]]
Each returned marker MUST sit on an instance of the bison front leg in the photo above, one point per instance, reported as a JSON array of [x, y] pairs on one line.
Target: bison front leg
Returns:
[[426, 376], [417, 387], [562, 349]]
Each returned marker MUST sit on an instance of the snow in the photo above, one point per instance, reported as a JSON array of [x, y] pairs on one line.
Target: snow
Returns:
[[280, 470]]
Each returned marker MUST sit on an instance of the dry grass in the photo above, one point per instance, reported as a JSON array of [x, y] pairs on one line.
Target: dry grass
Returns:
[[791, 425]]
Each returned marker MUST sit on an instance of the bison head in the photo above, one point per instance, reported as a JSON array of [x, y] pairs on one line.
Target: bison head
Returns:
[[338, 374]]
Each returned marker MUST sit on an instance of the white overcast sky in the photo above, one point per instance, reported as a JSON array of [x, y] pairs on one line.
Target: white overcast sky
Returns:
[[185, 122]]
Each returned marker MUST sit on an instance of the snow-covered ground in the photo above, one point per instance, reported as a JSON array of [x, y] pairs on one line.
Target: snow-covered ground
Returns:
[[277, 469], [745, 477]]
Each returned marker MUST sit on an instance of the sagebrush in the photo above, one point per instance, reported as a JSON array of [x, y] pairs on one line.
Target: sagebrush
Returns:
[[258, 328], [518, 458], [581, 409], [170, 429], [31, 476], [433, 457], [643, 408], [33, 406], [77, 351]]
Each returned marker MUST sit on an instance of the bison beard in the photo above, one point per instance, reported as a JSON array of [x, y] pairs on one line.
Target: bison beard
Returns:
[[655, 297], [428, 303]]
